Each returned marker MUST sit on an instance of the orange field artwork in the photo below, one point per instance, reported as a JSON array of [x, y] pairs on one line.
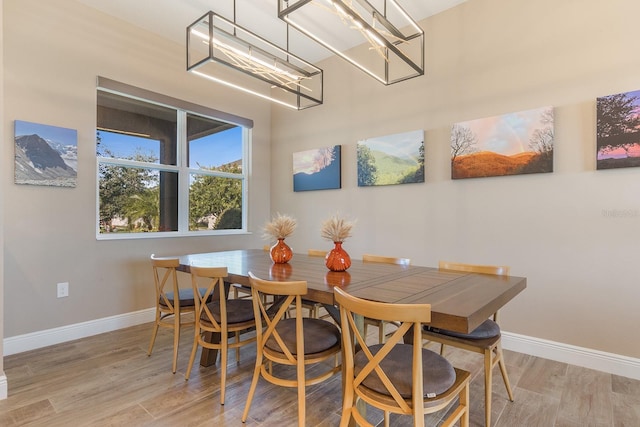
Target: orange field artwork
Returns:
[[510, 144]]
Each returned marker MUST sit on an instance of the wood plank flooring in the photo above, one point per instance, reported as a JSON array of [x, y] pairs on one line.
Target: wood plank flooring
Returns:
[[108, 380]]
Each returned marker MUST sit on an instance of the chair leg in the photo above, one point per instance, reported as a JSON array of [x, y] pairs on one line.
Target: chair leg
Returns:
[[194, 349], [224, 340], [301, 392], [386, 418], [254, 383], [237, 342], [347, 404], [153, 336], [488, 356], [464, 401], [503, 371], [176, 340]]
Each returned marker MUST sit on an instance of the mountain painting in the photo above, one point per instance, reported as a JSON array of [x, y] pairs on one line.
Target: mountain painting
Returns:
[[45, 155], [317, 169], [510, 144], [392, 159], [618, 130]]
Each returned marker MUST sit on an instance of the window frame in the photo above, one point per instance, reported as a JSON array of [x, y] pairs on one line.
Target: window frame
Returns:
[[183, 109]]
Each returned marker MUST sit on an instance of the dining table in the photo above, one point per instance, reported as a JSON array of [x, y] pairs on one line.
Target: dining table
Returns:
[[460, 301]]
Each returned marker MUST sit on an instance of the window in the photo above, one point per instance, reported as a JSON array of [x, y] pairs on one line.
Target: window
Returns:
[[166, 167]]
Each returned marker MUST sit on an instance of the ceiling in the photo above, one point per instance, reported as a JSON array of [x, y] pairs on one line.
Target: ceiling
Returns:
[[169, 18]]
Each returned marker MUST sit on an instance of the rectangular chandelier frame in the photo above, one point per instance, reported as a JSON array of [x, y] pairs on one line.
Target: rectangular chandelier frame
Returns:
[[224, 52], [384, 41]]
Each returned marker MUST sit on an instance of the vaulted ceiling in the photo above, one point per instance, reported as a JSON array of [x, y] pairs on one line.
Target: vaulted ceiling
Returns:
[[169, 18]]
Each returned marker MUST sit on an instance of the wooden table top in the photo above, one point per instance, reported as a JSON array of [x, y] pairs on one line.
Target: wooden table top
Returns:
[[459, 301]]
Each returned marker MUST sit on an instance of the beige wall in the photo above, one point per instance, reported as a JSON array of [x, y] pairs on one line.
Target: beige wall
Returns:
[[2, 173], [485, 58], [53, 51]]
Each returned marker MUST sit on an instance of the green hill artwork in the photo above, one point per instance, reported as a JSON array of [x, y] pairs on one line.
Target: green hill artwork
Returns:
[[392, 159]]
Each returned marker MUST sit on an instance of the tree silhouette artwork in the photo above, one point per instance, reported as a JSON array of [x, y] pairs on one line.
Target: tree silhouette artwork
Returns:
[[618, 130]]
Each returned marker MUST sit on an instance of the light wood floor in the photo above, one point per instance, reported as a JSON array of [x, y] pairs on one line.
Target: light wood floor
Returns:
[[108, 380]]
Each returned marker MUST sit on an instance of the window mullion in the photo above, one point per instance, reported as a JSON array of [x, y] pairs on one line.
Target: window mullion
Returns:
[[183, 174]]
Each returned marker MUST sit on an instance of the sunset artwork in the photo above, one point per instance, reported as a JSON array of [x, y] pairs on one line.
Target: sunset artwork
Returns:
[[509, 144], [618, 130], [317, 169]]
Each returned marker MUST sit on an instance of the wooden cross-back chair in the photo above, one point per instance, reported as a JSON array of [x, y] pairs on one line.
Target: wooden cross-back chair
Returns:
[[392, 376], [220, 316], [169, 309], [384, 260], [241, 291], [312, 306], [297, 342], [485, 339]]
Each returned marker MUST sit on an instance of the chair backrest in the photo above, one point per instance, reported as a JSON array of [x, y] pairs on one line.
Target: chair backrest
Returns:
[[317, 252], [498, 270], [270, 314], [208, 285], [408, 315], [166, 281], [385, 259]]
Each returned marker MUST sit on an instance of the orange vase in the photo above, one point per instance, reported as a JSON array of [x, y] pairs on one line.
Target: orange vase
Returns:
[[281, 253], [280, 272], [340, 279], [337, 259]]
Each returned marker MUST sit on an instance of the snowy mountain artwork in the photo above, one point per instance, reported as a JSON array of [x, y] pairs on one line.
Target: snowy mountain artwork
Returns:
[[45, 155]]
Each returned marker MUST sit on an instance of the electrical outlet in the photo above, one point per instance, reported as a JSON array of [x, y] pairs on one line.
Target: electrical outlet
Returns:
[[63, 289]]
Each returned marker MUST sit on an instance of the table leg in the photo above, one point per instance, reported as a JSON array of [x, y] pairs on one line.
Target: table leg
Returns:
[[209, 356], [407, 338]]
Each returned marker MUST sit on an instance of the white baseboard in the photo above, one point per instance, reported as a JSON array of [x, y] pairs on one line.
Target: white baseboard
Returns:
[[4, 387], [579, 356], [593, 359], [34, 340]]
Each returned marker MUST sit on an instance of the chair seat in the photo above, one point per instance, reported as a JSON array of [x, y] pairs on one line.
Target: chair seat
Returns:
[[319, 335], [185, 295], [488, 329], [238, 311], [437, 373]]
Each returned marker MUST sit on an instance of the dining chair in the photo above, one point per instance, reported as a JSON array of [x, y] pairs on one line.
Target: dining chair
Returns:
[[485, 339], [392, 376], [385, 260], [241, 291], [312, 306], [297, 342], [169, 309], [219, 317]]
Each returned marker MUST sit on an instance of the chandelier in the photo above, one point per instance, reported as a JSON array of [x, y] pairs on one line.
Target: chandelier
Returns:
[[384, 41], [222, 51]]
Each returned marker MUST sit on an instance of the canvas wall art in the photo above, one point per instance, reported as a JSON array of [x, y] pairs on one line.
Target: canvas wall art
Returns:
[[392, 159], [618, 130], [45, 155], [317, 169], [510, 144]]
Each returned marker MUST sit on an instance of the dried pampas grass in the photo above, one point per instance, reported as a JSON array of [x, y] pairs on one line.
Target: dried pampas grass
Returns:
[[280, 227], [336, 229]]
